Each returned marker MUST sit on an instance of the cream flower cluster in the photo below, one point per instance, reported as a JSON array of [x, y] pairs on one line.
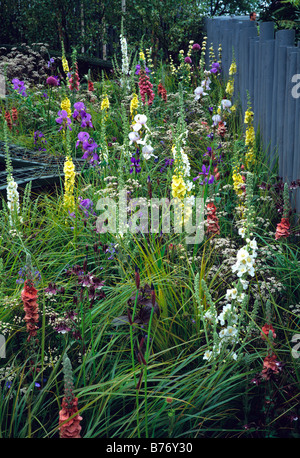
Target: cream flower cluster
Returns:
[[245, 259], [12, 199], [125, 61]]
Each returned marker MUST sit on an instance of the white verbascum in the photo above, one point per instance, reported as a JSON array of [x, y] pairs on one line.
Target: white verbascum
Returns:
[[125, 62], [12, 199]]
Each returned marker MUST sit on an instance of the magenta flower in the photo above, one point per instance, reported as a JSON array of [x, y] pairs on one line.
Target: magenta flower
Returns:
[[196, 47], [187, 60], [52, 81]]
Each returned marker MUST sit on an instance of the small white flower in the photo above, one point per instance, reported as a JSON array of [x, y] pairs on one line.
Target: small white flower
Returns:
[[141, 119], [253, 244], [133, 137], [231, 293], [199, 92], [147, 151], [216, 119], [226, 104], [207, 355], [242, 232], [136, 127]]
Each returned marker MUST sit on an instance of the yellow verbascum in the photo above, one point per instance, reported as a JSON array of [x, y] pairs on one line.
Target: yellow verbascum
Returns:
[[66, 105], [178, 187], [249, 137], [105, 103], [65, 65], [134, 103], [230, 88], [233, 68], [69, 171], [238, 182], [248, 116]]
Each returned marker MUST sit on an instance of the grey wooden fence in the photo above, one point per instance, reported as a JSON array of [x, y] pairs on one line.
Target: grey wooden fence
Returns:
[[268, 63]]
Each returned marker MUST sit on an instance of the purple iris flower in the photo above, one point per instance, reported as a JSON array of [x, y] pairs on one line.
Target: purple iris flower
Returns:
[[19, 86], [138, 68], [205, 174], [87, 206], [136, 164], [86, 120], [82, 137], [63, 119], [79, 106], [50, 62], [88, 146], [215, 68]]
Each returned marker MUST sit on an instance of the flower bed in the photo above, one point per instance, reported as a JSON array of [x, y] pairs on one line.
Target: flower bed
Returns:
[[123, 317]]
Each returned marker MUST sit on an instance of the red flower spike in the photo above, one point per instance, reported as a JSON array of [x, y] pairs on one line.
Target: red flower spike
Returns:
[[162, 92], [212, 220], [8, 120], [91, 86], [145, 88], [69, 428], [283, 229], [266, 330], [29, 298]]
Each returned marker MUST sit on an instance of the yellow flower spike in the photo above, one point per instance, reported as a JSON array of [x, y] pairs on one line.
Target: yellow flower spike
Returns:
[[65, 65], [142, 55], [230, 87], [233, 68], [178, 187], [134, 103], [66, 105], [250, 136], [69, 171], [248, 116]]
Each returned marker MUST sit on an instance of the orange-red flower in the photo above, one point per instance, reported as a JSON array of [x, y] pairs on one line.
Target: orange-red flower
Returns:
[[69, 428], [266, 330], [162, 92], [29, 298], [8, 119], [270, 366], [14, 114], [283, 229], [90, 86], [221, 129], [212, 219]]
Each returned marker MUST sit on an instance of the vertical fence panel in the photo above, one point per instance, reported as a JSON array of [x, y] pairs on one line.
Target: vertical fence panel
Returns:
[[266, 64]]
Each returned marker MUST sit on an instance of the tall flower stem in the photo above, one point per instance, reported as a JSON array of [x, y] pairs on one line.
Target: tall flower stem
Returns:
[[133, 362], [49, 104], [146, 372]]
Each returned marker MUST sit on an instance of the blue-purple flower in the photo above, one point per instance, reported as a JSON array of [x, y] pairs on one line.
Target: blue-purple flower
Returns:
[[87, 206], [19, 86], [63, 119], [215, 68], [138, 69], [205, 173]]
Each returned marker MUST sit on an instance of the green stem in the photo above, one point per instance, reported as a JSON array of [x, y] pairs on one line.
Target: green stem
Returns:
[[133, 363], [146, 372]]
